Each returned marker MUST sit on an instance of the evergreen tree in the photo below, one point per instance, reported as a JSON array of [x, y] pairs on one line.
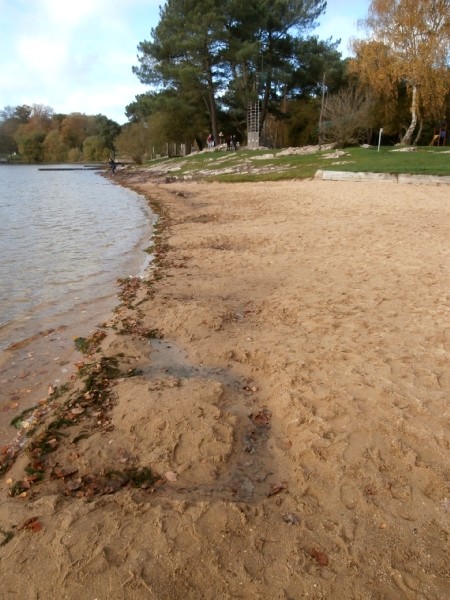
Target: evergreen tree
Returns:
[[226, 52], [187, 52]]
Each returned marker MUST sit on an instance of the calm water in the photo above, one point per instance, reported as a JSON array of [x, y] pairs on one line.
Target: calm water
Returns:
[[65, 237]]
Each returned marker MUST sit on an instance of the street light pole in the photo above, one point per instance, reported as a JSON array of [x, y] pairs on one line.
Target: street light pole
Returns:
[[379, 138]]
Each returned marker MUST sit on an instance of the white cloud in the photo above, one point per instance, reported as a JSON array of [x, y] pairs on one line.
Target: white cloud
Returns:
[[68, 15], [73, 56], [41, 57], [112, 100]]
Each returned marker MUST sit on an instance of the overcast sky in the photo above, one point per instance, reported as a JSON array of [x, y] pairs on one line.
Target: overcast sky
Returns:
[[76, 56]]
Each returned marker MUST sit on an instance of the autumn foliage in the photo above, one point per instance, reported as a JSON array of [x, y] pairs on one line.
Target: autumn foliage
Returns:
[[36, 134], [406, 51]]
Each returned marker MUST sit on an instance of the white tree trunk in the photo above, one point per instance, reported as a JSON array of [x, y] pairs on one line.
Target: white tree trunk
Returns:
[[407, 138], [419, 133]]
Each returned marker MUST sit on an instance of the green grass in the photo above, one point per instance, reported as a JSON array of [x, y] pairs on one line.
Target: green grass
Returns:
[[268, 165], [423, 161]]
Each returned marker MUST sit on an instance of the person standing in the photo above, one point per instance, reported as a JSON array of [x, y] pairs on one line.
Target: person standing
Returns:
[[112, 165]]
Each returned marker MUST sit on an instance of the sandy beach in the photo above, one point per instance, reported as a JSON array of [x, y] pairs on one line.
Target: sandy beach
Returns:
[[267, 416]]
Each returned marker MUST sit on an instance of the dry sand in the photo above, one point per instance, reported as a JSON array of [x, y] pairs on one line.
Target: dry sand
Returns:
[[295, 409]]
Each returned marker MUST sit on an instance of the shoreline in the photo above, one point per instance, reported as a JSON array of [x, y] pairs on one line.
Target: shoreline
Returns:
[[260, 408], [45, 357]]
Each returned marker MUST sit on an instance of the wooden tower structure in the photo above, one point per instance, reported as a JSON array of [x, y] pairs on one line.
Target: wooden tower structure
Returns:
[[253, 125]]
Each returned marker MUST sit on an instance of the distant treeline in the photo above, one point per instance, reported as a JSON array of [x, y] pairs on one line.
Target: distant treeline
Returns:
[[37, 134]]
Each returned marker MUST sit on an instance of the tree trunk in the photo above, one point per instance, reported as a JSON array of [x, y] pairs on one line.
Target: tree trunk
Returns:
[[266, 74], [213, 116], [407, 138], [211, 108], [210, 102], [419, 133], [322, 105], [214, 120]]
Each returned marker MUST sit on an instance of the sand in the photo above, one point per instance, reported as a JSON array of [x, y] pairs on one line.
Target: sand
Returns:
[[291, 398]]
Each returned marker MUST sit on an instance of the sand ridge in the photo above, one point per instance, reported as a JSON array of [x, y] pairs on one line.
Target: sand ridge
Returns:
[[295, 405]]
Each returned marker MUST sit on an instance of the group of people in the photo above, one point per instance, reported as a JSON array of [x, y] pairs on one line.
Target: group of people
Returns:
[[231, 141]]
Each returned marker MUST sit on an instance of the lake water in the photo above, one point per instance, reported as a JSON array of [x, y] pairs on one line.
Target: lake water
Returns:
[[65, 238]]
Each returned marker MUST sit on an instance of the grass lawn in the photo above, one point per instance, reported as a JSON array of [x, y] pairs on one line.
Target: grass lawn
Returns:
[[272, 165]]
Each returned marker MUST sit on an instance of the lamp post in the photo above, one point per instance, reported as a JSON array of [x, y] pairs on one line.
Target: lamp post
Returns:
[[379, 138]]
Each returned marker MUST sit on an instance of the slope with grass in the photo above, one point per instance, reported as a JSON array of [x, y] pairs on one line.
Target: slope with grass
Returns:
[[301, 163]]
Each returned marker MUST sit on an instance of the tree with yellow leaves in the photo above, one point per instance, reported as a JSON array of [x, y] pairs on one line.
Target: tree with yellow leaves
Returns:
[[408, 42]]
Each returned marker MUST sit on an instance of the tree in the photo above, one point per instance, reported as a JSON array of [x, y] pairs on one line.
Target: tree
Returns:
[[107, 131], [302, 117], [186, 51], [346, 117], [141, 108], [300, 77], [29, 141], [315, 60], [134, 141], [75, 128], [11, 118], [170, 116], [32, 131], [409, 42], [21, 114], [94, 149], [8, 126], [216, 51], [267, 28], [54, 148], [317, 70], [8, 144], [41, 116]]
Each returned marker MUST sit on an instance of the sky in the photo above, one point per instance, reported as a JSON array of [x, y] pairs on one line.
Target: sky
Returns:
[[77, 55]]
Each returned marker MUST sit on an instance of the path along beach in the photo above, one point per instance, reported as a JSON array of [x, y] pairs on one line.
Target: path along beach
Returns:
[[285, 376]]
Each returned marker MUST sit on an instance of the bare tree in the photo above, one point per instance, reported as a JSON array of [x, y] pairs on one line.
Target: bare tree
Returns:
[[345, 117]]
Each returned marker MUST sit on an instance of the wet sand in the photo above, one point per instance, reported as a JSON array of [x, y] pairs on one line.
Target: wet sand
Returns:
[[285, 374], [43, 360]]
